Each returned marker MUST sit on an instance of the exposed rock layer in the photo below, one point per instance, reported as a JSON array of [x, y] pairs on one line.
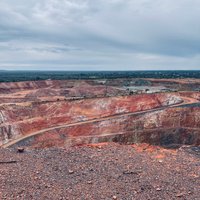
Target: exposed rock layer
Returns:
[[65, 113]]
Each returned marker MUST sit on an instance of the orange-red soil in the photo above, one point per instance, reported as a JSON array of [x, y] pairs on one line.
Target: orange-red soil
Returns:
[[65, 113]]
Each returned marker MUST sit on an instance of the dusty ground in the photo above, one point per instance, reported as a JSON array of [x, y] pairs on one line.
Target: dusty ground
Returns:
[[101, 172]]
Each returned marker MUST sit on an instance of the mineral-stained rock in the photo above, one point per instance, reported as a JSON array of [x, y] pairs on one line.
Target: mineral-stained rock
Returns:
[[101, 113]]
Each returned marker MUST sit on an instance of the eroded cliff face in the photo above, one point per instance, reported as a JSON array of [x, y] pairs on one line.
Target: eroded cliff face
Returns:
[[169, 127], [32, 117], [48, 113]]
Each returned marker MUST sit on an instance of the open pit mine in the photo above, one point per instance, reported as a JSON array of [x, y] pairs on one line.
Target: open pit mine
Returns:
[[67, 113], [157, 118]]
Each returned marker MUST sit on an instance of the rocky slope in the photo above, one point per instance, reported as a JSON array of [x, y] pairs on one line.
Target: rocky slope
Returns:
[[167, 127], [64, 113]]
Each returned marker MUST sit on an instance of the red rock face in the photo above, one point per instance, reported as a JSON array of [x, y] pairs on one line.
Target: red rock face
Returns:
[[37, 116], [172, 126], [64, 113]]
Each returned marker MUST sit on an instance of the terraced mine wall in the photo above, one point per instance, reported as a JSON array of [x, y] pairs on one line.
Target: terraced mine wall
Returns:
[[180, 84], [25, 118], [172, 126], [65, 113]]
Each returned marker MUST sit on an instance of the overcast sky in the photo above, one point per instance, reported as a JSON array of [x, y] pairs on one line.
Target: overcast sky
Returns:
[[99, 34]]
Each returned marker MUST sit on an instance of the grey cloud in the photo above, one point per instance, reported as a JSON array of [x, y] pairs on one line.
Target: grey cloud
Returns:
[[113, 34]]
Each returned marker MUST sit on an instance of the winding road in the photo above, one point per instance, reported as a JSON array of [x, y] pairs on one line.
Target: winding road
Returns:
[[186, 101]]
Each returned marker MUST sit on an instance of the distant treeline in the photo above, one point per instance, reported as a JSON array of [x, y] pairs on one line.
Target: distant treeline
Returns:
[[13, 76]]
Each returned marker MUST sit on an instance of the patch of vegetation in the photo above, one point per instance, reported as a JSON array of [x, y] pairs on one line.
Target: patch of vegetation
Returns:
[[14, 76]]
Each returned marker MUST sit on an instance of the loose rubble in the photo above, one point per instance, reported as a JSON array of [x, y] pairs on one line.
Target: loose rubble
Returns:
[[116, 172]]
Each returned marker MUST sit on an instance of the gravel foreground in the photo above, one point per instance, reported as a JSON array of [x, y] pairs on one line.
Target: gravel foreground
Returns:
[[107, 171]]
